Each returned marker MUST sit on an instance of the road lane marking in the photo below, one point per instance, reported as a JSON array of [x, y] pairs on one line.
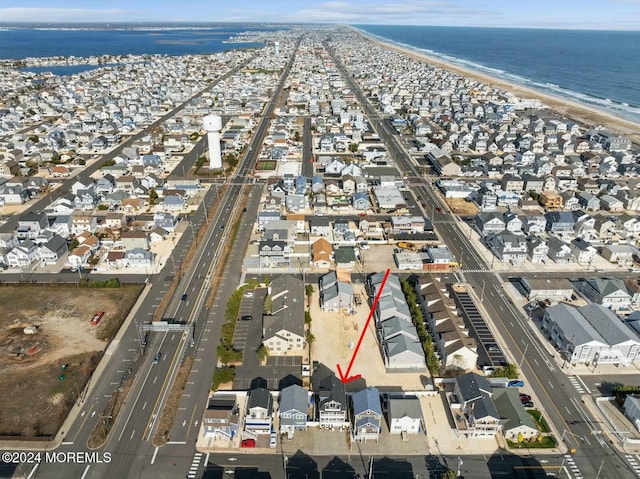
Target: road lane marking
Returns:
[[86, 470], [155, 453]]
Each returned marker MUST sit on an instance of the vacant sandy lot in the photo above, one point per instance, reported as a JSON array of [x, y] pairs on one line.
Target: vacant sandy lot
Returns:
[[336, 336], [35, 399]]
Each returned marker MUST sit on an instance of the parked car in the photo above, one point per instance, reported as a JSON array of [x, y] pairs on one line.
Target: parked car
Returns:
[[492, 348], [247, 317], [525, 397], [248, 294], [97, 317], [516, 383], [248, 443], [528, 404], [273, 440]]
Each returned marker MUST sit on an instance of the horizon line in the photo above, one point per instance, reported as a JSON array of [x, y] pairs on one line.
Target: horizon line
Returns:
[[253, 22]]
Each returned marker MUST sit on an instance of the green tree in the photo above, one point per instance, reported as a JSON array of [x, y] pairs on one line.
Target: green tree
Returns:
[[353, 147], [509, 371], [268, 303], [308, 290], [262, 352], [310, 338], [307, 317], [221, 376], [448, 475], [153, 196], [296, 136]]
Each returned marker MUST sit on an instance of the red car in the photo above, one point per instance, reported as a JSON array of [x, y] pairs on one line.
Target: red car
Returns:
[[97, 317], [439, 209], [525, 398], [248, 443]]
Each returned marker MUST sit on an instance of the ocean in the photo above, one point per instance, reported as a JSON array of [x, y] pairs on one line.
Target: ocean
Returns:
[[18, 43], [596, 68]]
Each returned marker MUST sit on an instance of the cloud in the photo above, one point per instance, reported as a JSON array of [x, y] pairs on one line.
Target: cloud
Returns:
[[66, 15]]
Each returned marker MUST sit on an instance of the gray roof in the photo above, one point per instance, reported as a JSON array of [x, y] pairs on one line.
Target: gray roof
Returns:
[[294, 398], [260, 397], [344, 255], [607, 286], [512, 412], [573, 324], [405, 407], [477, 389], [287, 307], [395, 326], [367, 400], [605, 322], [401, 343]]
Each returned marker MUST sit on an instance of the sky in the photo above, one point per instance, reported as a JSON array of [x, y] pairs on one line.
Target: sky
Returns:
[[581, 14]]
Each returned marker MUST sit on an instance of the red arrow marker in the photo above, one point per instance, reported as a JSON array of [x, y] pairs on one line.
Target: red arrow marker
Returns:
[[345, 378]]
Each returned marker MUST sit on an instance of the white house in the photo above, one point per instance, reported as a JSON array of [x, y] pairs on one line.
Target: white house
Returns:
[[404, 415]]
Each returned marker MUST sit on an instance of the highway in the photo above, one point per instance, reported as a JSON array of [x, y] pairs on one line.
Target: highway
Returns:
[[559, 400], [132, 452]]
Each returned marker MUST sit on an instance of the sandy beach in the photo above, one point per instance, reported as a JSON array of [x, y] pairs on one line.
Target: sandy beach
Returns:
[[582, 114]]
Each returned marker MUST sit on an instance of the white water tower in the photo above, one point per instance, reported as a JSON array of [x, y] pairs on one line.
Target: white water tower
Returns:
[[212, 125]]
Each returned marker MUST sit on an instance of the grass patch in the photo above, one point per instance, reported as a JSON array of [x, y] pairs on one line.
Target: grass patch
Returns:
[[266, 165], [548, 442], [100, 433], [540, 421]]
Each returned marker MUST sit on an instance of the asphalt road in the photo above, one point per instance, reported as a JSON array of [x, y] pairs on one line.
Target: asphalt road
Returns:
[[560, 401]]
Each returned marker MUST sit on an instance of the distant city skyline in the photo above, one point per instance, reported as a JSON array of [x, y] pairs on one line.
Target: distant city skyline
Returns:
[[572, 14]]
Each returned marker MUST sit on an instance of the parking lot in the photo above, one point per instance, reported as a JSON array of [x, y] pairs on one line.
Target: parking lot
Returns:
[[489, 351], [279, 371]]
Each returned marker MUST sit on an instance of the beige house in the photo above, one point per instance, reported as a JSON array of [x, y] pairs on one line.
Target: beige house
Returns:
[[283, 329]]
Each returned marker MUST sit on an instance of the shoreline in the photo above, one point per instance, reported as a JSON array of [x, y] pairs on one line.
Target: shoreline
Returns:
[[585, 115]]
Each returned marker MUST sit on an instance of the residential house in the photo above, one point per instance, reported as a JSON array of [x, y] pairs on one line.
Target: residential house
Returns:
[[490, 222], [591, 334], [611, 203], [345, 257], [553, 290], [618, 253], [404, 415], [165, 220], [259, 413], [331, 399], [283, 328], [274, 254], [336, 291], [320, 226], [22, 255], [367, 414], [560, 222], [30, 225], [611, 293], [582, 250], [551, 200], [402, 352], [537, 249], [473, 395], [78, 257], [221, 418], [360, 201], [508, 247], [321, 252], [559, 251], [138, 257], [588, 201], [516, 422], [293, 410], [114, 220], [134, 239], [53, 250], [81, 223]]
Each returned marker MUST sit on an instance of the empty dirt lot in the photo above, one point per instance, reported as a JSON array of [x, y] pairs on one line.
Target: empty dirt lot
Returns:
[[34, 395], [336, 336]]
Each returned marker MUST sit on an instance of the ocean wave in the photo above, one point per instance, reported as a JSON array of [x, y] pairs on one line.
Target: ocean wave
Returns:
[[608, 105]]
